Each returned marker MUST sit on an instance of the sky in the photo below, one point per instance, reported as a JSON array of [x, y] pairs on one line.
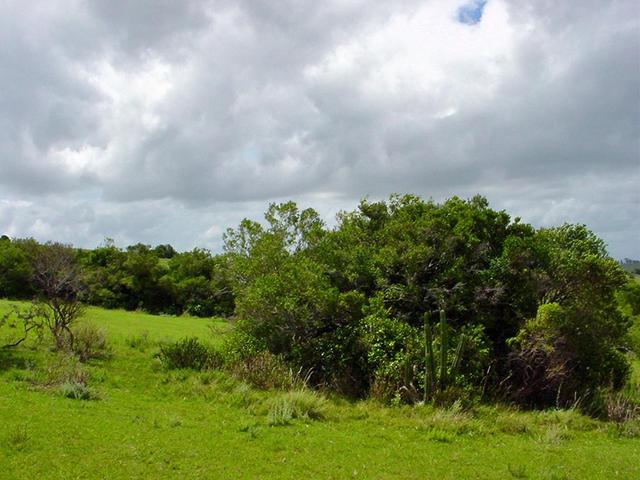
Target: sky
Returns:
[[162, 121]]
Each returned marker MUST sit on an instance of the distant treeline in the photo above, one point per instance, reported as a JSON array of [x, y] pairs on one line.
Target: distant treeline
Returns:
[[402, 299], [157, 280], [631, 266]]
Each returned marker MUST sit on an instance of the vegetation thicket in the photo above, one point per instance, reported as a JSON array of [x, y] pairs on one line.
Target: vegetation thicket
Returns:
[[403, 300], [536, 309]]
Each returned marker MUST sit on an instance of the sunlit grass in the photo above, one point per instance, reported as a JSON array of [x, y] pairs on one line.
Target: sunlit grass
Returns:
[[142, 421]]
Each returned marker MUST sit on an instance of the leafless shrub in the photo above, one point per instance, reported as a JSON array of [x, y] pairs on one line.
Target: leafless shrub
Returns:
[[56, 276]]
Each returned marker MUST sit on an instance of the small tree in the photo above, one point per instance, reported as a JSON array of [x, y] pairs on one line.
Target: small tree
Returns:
[[57, 279]]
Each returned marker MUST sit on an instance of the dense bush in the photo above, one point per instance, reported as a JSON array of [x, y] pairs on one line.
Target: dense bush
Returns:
[[629, 303], [188, 353], [349, 303]]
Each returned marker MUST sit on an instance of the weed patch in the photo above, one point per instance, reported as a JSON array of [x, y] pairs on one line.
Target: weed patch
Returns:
[[77, 391], [300, 404], [139, 342], [90, 342], [18, 438], [439, 435]]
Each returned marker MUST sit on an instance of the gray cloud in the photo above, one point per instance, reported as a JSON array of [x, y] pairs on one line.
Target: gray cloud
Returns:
[[169, 121]]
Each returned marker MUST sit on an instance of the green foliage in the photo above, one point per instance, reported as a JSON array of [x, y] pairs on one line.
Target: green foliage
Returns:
[[347, 303], [15, 271], [629, 304], [164, 251], [629, 297], [157, 280], [188, 353], [556, 362], [393, 352]]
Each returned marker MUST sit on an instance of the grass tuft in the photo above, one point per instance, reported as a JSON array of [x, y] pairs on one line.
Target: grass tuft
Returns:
[[300, 404], [18, 438], [517, 471], [439, 435], [139, 342], [77, 391]]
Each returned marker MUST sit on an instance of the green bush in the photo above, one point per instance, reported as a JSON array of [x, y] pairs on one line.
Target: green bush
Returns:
[[90, 342], [188, 353], [77, 391], [561, 358], [240, 345]]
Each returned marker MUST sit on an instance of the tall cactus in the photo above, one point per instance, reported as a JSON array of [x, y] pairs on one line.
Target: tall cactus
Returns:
[[431, 382], [444, 346], [430, 369], [458, 356]]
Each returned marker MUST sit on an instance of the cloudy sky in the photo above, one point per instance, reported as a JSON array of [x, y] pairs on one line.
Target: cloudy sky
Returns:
[[168, 121]]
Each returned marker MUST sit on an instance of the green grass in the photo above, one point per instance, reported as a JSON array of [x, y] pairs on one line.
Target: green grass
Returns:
[[150, 423]]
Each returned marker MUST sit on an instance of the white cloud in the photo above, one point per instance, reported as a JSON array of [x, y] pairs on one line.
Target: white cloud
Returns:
[[169, 122]]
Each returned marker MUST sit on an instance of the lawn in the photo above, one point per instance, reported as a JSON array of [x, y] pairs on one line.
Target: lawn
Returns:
[[147, 422]]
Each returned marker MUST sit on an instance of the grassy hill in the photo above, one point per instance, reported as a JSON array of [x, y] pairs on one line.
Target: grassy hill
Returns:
[[147, 422]]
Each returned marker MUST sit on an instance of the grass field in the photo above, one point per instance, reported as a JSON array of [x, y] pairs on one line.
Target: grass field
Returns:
[[150, 423]]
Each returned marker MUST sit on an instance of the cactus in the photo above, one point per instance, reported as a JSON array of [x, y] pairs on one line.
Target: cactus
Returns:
[[457, 357], [429, 370], [444, 346], [431, 382]]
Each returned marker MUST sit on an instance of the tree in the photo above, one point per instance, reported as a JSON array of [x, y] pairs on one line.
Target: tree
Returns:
[[15, 271], [57, 279], [165, 251]]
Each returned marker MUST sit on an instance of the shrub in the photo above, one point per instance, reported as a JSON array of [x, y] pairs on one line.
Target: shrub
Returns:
[[393, 353], [557, 360], [188, 353], [240, 345], [264, 370], [300, 404], [77, 391], [65, 368], [90, 342]]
